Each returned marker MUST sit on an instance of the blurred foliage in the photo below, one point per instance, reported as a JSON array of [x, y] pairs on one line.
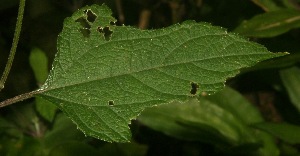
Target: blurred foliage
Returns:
[[260, 96]]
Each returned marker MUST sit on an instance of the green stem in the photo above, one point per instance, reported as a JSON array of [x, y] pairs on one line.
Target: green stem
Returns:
[[14, 44]]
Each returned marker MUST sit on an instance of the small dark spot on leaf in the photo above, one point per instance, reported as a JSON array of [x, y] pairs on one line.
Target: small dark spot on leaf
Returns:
[[110, 102], [91, 17], [106, 32], [112, 23], [194, 89]]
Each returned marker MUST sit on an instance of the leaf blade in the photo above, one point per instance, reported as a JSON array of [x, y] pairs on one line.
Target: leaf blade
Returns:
[[198, 120], [270, 24], [284, 131], [291, 80], [102, 81]]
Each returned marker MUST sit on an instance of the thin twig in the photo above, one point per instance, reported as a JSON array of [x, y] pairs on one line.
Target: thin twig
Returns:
[[144, 18], [14, 44], [19, 98], [260, 5], [120, 11], [177, 11]]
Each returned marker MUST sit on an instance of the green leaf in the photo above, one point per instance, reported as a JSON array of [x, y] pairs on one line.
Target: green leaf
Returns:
[[124, 149], [39, 64], [227, 106], [27, 146], [269, 146], [62, 131], [290, 4], [73, 148], [280, 62], [105, 75], [267, 5], [236, 104], [198, 121], [284, 131], [289, 150], [232, 101], [46, 109], [270, 24], [291, 80]]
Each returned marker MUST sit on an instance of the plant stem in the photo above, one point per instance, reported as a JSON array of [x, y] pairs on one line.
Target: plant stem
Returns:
[[14, 44], [19, 98]]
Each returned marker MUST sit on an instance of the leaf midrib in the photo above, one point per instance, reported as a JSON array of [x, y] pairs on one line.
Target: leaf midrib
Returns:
[[123, 74]]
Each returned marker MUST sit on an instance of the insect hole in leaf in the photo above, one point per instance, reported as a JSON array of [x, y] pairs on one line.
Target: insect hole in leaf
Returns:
[[106, 32], [194, 89]]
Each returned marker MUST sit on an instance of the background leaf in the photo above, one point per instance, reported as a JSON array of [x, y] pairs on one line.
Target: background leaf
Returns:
[[198, 120], [270, 24], [125, 149], [63, 131], [267, 5], [201, 121], [234, 102], [104, 75], [284, 131], [244, 111], [39, 64], [45, 108], [280, 62], [73, 149], [291, 80]]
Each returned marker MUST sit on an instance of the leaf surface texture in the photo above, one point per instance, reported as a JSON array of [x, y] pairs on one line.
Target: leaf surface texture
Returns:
[[104, 75]]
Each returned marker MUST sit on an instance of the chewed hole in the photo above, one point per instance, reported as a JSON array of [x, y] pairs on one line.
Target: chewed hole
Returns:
[[106, 32], [112, 23], [194, 89], [91, 17], [111, 103], [84, 23], [86, 27]]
